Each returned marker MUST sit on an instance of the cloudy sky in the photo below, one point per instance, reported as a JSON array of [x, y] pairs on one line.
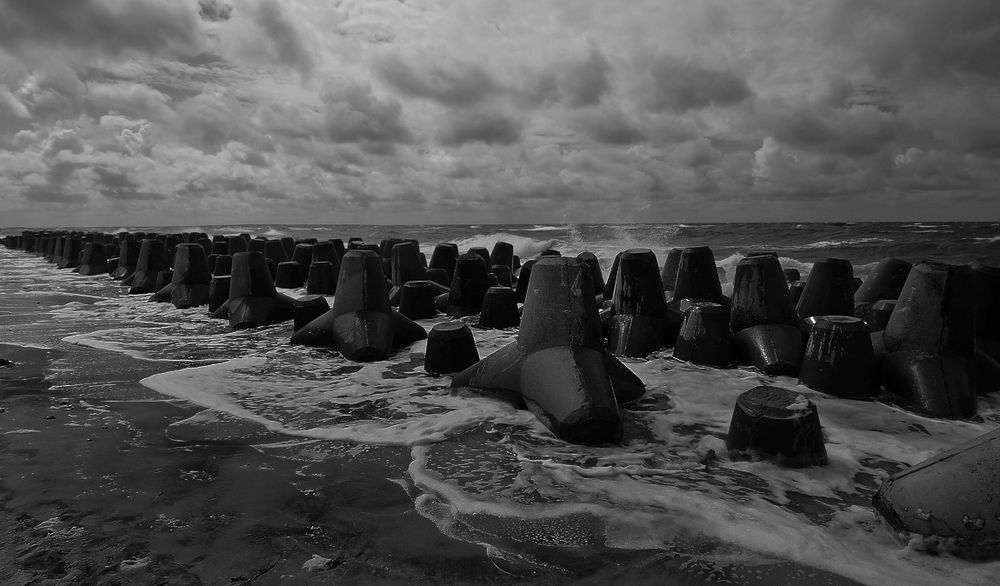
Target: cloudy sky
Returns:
[[137, 112]]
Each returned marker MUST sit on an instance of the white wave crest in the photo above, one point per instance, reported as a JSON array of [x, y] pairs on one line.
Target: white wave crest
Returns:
[[273, 233], [848, 242], [524, 247]]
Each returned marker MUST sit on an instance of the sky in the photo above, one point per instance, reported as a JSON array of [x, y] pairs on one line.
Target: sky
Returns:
[[200, 112]]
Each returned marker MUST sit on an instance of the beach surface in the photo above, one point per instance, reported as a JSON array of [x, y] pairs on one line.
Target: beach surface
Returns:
[[96, 489], [140, 443]]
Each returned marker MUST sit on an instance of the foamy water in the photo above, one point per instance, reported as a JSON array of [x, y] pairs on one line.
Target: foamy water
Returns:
[[489, 474]]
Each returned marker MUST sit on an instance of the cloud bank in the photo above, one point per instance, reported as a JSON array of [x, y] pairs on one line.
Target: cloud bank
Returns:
[[206, 111]]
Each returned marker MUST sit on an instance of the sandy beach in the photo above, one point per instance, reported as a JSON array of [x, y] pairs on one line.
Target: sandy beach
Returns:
[[99, 485], [95, 490]]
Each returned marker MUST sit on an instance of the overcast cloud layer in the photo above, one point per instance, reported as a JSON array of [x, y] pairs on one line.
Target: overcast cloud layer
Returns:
[[119, 112]]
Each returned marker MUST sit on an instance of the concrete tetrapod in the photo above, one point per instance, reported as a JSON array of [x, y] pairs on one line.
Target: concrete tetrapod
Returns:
[[879, 314], [523, 279], [405, 265], [416, 300], [590, 259], [308, 308], [483, 254], [451, 347], [322, 279], [558, 367], [774, 349], [929, 342], [190, 280], [638, 305], [163, 278], [697, 277], [828, 289], [839, 359], [288, 275], [128, 257], [71, 253], [218, 294], [323, 251], [499, 309], [468, 287], [987, 328], [705, 337], [669, 273], [953, 497], [361, 325], [445, 256], [760, 294], [503, 275], [502, 254], [94, 261], [303, 254], [152, 260], [439, 276], [253, 300], [777, 423], [609, 285], [885, 282]]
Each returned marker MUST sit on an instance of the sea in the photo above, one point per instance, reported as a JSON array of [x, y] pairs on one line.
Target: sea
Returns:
[[489, 474]]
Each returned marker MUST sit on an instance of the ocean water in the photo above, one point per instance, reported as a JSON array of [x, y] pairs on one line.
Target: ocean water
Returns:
[[486, 473]]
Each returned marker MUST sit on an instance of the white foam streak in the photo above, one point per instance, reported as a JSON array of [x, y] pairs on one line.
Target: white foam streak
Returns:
[[382, 411]]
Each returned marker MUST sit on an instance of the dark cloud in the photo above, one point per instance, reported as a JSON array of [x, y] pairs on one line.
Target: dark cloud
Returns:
[[209, 121], [697, 154], [289, 119], [607, 125], [213, 10], [577, 81], [876, 96], [852, 131], [238, 184], [60, 172], [983, 141], [252, 159], [452, 82], [114, 179], [352, 113], [282, 37], [920, 39], [583, 82], [463, 126], [132, 195], [918, 170], [46, 194], [116, 184], [106, 26], [678, 86]]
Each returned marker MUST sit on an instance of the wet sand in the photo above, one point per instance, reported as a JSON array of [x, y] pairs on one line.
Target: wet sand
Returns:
[[94, 491]]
